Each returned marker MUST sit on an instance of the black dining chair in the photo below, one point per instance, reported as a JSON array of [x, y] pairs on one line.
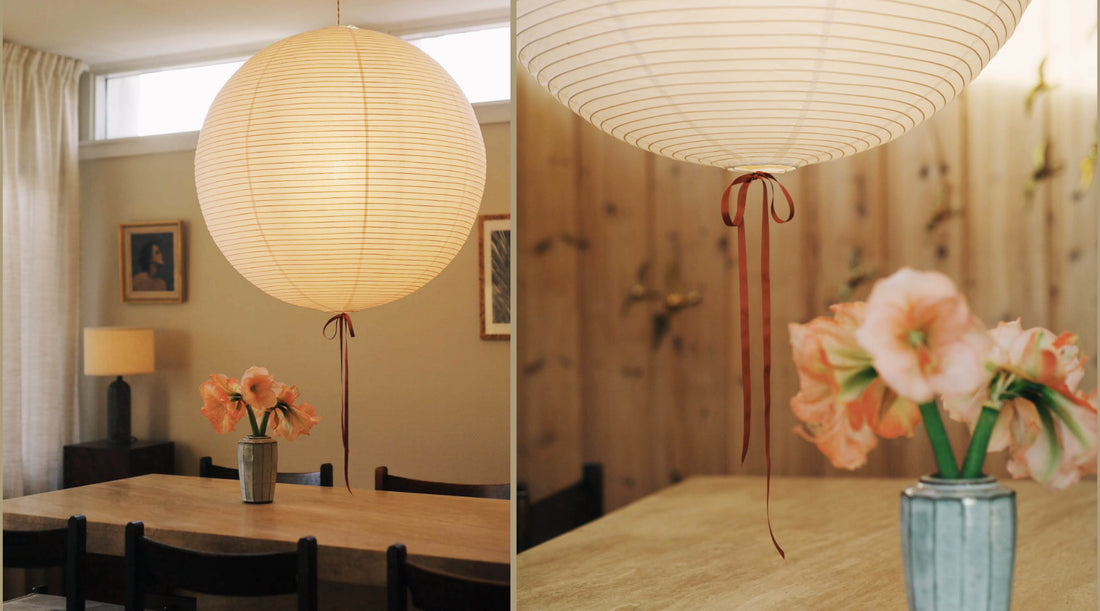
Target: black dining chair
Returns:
[[65, 547], [560, 512], [434, 590], [207, 468], [152, 566], [393, 483]]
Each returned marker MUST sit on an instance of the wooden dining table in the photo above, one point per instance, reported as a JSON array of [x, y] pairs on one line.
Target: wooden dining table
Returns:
[[353, 529], [704, 544]]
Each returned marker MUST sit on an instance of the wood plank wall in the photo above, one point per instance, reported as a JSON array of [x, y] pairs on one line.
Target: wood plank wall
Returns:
[[593, 213]]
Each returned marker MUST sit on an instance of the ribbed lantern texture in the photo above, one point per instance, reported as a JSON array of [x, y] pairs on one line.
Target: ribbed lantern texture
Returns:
[[768, 85], [340, 169]]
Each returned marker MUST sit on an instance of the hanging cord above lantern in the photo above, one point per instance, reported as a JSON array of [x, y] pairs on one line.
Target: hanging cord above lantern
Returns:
[[768, 185]]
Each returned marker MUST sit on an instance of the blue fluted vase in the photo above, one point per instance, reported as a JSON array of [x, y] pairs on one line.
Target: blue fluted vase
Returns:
[[958, 544]]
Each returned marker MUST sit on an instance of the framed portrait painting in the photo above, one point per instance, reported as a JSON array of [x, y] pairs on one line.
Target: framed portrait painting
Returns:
[[151, 262], [495, 275]]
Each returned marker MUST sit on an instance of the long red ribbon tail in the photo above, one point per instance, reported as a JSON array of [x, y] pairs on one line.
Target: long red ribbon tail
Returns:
[[768, 182], [343, 330]]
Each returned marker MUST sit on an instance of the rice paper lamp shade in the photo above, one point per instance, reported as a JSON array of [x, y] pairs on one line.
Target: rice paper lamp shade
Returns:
[[340, 169], [767, 85], [118, 351]]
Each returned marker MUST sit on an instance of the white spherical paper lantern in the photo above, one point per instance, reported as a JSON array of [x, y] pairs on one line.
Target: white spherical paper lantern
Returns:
[[768, 85], [340, 169]]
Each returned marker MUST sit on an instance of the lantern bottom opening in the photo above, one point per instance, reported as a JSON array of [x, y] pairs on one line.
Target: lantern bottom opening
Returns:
[[770, 168]]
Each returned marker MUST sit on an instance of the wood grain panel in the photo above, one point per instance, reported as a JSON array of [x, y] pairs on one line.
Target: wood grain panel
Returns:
[[694, 252], [548, 242], [616, 222]]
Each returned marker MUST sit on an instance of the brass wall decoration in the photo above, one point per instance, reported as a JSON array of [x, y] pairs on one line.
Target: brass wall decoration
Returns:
[[673, 299]]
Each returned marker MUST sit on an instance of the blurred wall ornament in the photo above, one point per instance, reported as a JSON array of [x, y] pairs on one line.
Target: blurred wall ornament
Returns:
[[674, 299], [858, 275], [759, 87], [340, 169]]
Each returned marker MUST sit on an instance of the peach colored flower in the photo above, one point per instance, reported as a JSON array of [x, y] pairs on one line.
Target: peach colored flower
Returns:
[[1035, 355], [290, 421], [220, 402], [841, 402], [922, 337], [844, 446], [258, 389], [286, 394], [1035, 365], [1055, 455], [1045, 358]]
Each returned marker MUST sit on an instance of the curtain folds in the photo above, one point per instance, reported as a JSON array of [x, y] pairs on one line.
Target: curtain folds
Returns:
[[41, 247]]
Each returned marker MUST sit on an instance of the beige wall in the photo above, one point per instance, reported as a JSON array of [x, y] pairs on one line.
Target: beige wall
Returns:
[[429, 397]]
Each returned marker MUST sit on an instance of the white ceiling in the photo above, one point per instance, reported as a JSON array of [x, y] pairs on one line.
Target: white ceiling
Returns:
[[129, 34]]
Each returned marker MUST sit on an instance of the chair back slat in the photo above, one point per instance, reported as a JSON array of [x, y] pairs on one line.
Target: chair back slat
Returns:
[[65, 547], [35, 549], [207, 468], [158, 567], [393, 483], [433, 590], [560, 512]]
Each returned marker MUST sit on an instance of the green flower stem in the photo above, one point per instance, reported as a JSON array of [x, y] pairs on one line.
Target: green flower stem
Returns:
[[979, 443], [252, 420], [941, 447], [263, 423]]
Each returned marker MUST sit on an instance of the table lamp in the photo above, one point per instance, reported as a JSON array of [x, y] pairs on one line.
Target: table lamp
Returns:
[[118, 351]]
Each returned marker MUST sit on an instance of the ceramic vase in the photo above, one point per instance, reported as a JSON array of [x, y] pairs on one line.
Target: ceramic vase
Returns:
[[958, 544], [257, 462]]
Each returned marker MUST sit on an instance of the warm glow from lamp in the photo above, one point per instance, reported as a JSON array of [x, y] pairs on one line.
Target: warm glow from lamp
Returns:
[[118, 351], [340, 169]]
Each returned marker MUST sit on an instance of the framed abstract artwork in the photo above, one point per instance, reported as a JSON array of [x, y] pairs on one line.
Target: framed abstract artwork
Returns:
[[151, 262], [495, 274]]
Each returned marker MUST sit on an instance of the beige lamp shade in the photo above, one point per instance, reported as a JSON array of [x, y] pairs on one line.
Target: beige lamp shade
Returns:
[[767, 85], [118, 351], [340, 169]]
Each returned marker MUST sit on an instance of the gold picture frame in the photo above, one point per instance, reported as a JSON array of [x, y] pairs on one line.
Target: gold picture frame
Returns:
[[151, 262], [494, 273]]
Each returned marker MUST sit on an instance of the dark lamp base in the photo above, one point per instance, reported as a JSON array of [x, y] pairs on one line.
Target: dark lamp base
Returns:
[[118, 412]]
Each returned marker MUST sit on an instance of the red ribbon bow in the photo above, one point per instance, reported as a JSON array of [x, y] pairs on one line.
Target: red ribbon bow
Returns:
[[343, 329], [769, 183]]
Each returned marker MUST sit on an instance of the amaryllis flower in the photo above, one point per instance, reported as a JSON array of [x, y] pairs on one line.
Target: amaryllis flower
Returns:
[[922, 338], [1036, 355], [258, 388], [844, 446], [841, 402], [219, 402], [290, 421], [1043, 420], [270, 405], [1054, 451], [286, 394]]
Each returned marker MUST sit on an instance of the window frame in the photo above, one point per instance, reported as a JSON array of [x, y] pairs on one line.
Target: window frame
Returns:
[[94, 83]]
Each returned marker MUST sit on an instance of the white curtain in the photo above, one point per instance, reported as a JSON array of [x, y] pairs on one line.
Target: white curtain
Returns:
[[41, 246]]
